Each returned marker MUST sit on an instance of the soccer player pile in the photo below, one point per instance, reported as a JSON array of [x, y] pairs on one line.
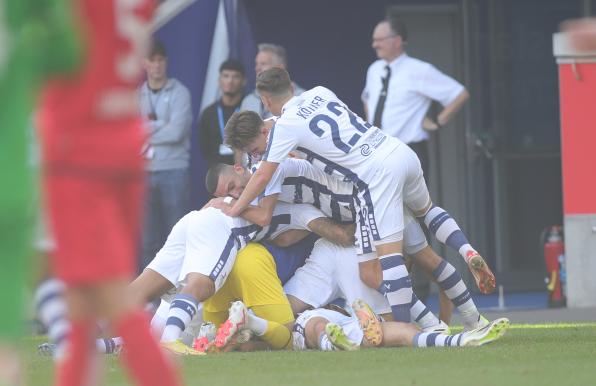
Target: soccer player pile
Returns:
[[328, 210]]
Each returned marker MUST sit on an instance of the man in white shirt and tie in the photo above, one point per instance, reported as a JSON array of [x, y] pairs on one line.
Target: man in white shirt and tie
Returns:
[[399, 90]]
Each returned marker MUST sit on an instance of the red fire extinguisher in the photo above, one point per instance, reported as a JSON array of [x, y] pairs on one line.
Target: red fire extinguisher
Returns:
[[554, 259]]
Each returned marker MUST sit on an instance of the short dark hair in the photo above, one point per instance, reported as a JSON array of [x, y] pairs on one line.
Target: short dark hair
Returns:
[[274, 81], [232, 65], [398, 26], [212, 177], [241, 129], [157, 48]]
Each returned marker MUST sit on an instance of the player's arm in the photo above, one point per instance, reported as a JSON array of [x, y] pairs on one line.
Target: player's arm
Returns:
[[257, 184], [289, 237], [340, 234], [174, 130], [260, 215]]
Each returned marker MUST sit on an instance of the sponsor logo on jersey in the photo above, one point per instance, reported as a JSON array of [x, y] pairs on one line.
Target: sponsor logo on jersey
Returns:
[[365, 150]]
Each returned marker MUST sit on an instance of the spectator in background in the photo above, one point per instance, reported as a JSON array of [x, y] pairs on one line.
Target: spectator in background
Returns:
[[398, 93], [269, 55], [166, 107], [215, 116], [399, 90]]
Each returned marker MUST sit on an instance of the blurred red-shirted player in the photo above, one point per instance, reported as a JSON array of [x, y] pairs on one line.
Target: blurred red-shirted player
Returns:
[[92, 138]]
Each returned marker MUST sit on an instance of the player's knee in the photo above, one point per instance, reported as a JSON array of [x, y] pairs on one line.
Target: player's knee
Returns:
[[201, 287]]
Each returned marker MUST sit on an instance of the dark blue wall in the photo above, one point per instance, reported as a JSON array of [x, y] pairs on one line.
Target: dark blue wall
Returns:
[[328, 42]]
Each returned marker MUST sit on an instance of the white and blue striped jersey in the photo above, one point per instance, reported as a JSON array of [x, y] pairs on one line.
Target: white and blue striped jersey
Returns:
[[298, 181], [333, 137], [203, 241]]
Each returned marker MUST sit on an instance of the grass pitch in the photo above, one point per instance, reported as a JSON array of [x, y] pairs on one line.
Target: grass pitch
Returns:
[[548, 354]]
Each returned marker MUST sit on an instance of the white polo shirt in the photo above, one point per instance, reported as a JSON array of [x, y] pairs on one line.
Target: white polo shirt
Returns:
[[412, 86]]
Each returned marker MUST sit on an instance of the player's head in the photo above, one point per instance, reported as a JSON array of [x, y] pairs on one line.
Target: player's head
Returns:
[[156, 62], [275, 88], [231, 77], [245, 131], [269, 56], [226, 180], [390, 36]]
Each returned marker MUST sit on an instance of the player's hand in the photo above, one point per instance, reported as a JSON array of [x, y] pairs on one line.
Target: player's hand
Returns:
[[231, 211], [429, 125], [217, 203]]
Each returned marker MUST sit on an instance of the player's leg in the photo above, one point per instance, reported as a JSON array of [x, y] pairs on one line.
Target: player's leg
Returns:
[[96, 253], [142, 355], [148, 286], [316, 336], [51, 311], [323, 330], [184, 306], [78, 361], [381, 216], [417, 198], [398, 334], [51, 308], [477, 337], [132, 324], [445, 307], [261, 322], [452, 284], [447, 231], [209, 256], [261, 290], [50, 305], [70, 263], [279, 320], [414, 242], [254, 280], [315, 283]]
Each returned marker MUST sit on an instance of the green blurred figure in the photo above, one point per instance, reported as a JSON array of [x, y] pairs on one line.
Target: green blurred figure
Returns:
[[37, 39]]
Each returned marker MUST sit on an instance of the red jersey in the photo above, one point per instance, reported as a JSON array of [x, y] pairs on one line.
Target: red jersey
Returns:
[[92, 118]]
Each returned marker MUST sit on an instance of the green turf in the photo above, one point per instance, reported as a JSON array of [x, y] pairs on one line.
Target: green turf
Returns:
[[527, 355]]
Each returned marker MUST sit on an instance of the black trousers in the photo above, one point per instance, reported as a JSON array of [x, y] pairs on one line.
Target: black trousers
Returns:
[[421, 281], [421, 150]]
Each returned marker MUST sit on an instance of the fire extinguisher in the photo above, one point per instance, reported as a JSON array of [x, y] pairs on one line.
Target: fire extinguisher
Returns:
[[554, 258]]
